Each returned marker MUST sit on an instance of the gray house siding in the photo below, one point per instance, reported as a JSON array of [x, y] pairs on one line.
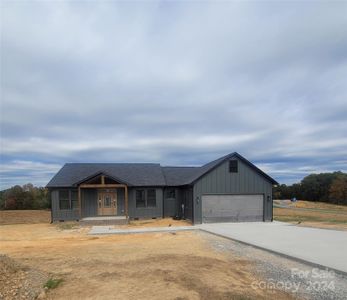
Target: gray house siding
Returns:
[[62, 214], [145, 212], [171, 204], [185, 196], [120, 202], [89, 202], [221, 181], [89, 205]]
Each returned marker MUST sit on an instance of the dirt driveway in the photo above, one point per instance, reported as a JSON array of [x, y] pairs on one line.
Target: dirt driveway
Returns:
[[147, 266]]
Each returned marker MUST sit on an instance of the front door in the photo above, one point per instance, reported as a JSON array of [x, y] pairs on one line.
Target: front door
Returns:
[[107, 203]]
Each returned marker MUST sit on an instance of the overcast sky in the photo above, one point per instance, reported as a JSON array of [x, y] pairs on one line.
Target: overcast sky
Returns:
[[180, 83]]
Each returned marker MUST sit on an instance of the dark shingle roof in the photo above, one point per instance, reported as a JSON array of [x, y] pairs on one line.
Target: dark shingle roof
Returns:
[[137, 174], [131, 174], [175, 176]]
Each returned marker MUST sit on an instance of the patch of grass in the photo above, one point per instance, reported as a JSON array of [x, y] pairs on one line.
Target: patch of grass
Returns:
[[67, 226], [52, 283], [308, 219]]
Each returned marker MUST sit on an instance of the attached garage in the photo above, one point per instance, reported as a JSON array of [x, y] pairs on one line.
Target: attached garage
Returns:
[[232, 208], [232, 189]]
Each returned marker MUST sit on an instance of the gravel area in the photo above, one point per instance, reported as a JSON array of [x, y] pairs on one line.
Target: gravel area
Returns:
[[20, 282], [303, 281]]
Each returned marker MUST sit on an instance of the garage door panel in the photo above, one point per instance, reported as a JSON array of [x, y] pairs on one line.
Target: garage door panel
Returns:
[[232, 208]]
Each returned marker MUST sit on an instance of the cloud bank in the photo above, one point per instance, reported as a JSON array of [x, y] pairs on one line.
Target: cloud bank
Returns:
[[172, 82]]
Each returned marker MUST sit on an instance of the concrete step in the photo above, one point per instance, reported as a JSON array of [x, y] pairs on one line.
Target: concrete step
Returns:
[[104, 221]]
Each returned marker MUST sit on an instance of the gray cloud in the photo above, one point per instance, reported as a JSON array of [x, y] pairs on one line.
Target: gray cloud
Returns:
[[175, 82]]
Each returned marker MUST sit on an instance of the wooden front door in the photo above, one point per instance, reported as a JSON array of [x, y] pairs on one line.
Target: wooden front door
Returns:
[[107, 203]]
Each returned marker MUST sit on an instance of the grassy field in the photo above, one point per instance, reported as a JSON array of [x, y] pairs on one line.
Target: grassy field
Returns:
[[313, 214], [73, 265]]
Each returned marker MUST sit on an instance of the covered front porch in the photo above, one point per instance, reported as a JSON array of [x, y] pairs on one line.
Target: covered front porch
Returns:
[[102, 198]]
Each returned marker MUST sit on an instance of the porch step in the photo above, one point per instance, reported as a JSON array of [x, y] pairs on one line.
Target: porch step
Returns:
[[105, 220]]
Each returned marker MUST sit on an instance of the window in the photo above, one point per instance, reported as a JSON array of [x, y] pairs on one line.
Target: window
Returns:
[[107, 201], [151, 198], [146, 198], [64, 201], [68, 199], [140, 198], [74, 199], [233, 166], [170, 193]]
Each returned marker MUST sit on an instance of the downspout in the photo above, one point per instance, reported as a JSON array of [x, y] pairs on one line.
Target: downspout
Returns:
[[163, 216]]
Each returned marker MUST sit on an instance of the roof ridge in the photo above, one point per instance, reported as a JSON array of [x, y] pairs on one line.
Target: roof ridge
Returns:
[[220, 158], [111, 163], [181, 166]]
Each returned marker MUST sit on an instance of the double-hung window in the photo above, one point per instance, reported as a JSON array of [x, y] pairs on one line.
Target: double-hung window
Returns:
[[64, 199], [140, 198], [146, 198], [74, 199], [151, 198], [68, 199]]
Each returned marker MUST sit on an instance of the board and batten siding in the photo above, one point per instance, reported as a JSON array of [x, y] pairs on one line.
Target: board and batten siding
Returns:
[[89, 203], [89, 208], [62, 214], [145, 212], [221, 181], [120, 202]]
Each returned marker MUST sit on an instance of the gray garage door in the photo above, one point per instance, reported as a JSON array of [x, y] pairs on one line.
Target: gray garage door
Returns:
[[232, 208]]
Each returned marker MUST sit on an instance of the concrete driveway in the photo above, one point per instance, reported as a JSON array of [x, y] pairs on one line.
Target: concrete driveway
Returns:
[[324, 247]]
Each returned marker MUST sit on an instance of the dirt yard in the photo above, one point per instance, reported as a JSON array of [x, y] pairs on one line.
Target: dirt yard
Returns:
[[24, 216], [8, 217], [180, 265], [313, 214]]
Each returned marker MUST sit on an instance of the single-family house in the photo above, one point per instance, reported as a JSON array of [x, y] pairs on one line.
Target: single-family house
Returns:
[[228, 189]]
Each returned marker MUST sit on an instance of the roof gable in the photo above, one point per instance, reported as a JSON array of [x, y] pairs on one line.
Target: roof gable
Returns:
[[98, 174], [214, 164]]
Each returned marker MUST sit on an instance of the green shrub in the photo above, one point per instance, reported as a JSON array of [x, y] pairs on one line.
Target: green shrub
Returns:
[[52, 283]]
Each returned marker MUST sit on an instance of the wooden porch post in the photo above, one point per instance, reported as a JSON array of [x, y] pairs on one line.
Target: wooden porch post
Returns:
[[126, 201], [79, 202]]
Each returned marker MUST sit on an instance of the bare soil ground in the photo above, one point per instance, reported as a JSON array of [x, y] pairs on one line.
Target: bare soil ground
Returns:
[[180, 265], [24, 216], [312, 214], [158, 223], [8, 217]]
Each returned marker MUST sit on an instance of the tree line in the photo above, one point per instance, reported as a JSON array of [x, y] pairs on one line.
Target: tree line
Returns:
[[323, 187], [25, 197]]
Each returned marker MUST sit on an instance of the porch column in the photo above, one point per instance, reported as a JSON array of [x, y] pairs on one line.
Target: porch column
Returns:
[[79, 203], [126, 201]]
